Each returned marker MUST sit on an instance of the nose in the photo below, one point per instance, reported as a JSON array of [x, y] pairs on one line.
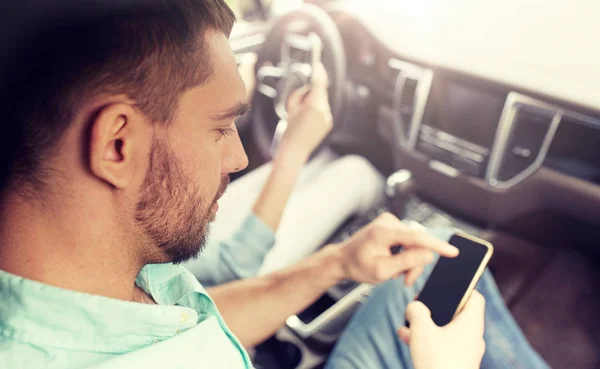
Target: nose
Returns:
[[234, 158]]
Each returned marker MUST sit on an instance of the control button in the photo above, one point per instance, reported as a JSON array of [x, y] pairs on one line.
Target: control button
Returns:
[[427, 129], [433, 151], [448, 146], [429, 148], [472, 156], [474, 148], [521, 152], [443, 168], [445, 137], [427, 137], [465, 165]]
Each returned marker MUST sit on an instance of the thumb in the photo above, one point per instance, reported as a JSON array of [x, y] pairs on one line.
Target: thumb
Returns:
[[473, 314], [418, 315]]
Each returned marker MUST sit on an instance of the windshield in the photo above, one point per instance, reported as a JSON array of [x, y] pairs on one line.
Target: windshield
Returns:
[[250, 10]]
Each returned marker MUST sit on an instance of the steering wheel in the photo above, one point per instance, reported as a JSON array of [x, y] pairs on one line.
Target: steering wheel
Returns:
[[281, 69]]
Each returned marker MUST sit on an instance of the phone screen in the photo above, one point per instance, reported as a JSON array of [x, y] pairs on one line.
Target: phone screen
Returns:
[[451, 278]]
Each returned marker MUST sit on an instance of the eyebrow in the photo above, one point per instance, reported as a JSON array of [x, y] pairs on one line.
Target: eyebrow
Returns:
[[233, 112]]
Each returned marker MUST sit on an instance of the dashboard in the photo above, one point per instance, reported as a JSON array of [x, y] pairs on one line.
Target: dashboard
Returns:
[[487, 148]]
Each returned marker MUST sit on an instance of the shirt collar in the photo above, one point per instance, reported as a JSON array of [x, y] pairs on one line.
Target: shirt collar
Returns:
[[40, 314]]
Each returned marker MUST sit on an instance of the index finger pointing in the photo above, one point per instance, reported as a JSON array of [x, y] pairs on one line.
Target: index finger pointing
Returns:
[[410, 238], [475, 304]]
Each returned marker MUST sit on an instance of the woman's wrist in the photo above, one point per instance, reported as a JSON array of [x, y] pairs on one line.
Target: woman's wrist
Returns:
[[291, 156]]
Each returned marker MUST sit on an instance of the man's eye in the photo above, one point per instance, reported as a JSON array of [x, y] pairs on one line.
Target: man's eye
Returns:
[[225, 132]]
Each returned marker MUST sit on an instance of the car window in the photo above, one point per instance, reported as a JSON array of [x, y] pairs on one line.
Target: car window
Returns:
[[258, 10], [248, 10]]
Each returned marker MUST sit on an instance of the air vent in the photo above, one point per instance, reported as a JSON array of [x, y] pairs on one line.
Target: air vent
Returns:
[[405, 106], [524, 134], [575, 148], [409, 89], [529, 131], [389, 78]]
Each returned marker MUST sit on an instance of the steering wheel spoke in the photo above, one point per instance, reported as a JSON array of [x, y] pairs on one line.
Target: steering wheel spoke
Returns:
[[268, 77], [295, 43]]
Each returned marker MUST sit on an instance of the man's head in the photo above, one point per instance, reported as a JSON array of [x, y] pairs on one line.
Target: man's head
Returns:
[[127, 110]]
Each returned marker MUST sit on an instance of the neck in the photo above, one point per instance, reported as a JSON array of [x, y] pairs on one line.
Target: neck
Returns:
[[68, 244]]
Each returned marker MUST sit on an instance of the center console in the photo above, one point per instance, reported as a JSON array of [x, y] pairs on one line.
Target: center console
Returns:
[[459, 125], [485, 132]]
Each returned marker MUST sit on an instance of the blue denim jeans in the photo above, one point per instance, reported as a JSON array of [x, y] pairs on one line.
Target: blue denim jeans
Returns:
[[370, 340]]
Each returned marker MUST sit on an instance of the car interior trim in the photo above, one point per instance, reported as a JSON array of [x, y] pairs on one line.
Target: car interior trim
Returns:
[[306, 330], [424, 77], [514, 101], [539, 161], [443, 168]]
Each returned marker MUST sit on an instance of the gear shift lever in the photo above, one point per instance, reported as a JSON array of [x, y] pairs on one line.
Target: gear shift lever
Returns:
[[399, 188]]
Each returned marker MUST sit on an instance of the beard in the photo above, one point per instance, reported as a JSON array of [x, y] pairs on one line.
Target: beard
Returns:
[[171, 210]]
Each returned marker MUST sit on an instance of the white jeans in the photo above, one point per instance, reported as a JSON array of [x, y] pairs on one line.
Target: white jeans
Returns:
[[328, 191]]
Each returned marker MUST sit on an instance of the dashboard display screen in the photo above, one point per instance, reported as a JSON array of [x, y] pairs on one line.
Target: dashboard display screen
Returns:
[[463, 111], [575, 150]]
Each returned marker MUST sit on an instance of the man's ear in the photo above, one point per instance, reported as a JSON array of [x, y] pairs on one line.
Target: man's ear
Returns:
[[116, 143]]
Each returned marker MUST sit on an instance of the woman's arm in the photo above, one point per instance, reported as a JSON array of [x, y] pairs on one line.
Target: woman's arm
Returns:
[[309, 122]]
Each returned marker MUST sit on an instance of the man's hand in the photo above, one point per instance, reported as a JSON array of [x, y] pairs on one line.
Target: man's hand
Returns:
[[367, 256], [457, 345], [309, 116]]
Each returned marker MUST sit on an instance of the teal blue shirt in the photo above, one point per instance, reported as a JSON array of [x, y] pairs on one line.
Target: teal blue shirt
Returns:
[[47, 327]]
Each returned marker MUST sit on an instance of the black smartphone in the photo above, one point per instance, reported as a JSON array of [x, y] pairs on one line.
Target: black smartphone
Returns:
[[453, 279]]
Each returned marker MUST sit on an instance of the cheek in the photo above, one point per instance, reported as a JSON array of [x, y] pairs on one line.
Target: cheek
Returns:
[[207, 174], [199, 154], [202, 163]]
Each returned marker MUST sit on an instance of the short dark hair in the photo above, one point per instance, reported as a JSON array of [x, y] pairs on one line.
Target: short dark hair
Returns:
[[150, 50]]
